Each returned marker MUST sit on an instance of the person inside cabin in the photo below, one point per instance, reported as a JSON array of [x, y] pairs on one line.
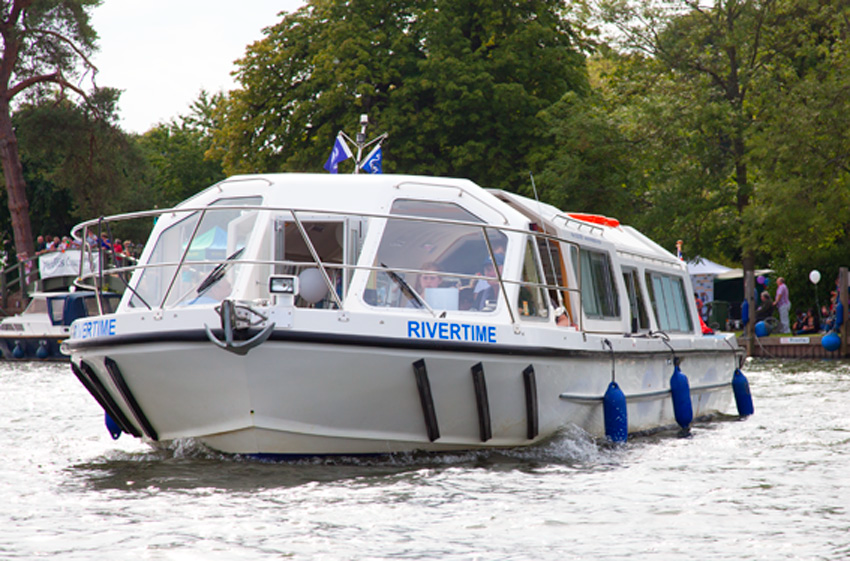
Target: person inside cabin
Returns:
[[499, 251], [562, 318], [766, 308], [429, 279], [487, 298]]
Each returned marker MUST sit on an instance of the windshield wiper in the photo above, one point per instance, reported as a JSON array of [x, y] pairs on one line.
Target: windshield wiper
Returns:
[[408, 291], [218, 273]]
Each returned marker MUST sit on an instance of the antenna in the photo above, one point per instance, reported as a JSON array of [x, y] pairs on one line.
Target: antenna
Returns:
[[360, 140], [548, 248]]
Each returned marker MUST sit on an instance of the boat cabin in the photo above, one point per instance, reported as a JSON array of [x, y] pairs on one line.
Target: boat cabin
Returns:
[[412, 246]]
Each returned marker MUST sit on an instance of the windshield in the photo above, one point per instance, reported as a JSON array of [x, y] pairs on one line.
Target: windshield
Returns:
[[446, 255], [221, 234]]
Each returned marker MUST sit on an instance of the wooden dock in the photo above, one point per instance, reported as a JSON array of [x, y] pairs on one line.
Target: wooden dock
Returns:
[[790, 346]]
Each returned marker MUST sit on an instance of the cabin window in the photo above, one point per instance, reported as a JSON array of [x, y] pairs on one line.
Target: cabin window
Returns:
[[221, 237], [667, 296], [422, 263], [293, 257], [598, 290], [532, 301], [36, 306], [108, 301], [638, 320], [57, 309]]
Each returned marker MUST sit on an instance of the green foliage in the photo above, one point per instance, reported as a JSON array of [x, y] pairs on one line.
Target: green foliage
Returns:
[[583, 162], [175, 152], [457, 85], [77, 166], [49, 40]]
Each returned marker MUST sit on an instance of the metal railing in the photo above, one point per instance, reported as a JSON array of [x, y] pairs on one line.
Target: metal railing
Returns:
[[96, 281]]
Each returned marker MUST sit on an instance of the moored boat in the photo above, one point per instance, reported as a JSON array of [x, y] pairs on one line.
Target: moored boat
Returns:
[[38, 332], [300, 314]]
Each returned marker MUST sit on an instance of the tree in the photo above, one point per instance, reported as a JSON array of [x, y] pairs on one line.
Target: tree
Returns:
[[176, 152], [802, 144], [698, 66], [77, 163], [458, 85], [43, 42]]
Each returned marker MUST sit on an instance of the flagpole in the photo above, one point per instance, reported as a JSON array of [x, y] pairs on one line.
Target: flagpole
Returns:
[[361, 139]]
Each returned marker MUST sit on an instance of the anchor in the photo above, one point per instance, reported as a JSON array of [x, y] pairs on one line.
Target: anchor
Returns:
[[236, 318]]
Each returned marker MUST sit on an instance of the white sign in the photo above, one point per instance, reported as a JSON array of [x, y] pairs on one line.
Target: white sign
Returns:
[[794, 341], [64, 264]]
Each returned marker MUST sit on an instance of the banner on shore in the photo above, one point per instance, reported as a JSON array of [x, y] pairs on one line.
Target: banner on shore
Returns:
[[65, 264]]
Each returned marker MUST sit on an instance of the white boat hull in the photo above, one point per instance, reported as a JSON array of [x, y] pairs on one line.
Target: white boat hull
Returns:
[[302, 398]]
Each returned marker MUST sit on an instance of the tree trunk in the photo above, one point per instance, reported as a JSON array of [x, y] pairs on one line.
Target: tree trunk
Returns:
[[15, 185]]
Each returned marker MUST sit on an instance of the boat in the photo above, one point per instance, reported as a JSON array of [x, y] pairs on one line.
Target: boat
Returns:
[[37, 332], [288, 315]]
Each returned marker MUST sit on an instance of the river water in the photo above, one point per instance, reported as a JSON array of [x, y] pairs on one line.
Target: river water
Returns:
[[774, 486]]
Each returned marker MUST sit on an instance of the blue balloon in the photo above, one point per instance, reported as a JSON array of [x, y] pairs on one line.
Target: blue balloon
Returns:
[[761, 329], [831, 341]]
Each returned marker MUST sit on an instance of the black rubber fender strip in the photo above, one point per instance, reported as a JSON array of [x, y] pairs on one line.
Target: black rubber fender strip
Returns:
[[426, 399], [121, 384], [530, 381], [85, 374], [482, 401]]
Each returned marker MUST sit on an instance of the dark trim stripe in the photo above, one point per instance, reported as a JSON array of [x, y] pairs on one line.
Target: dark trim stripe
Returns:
[[86, 375], [530, 382], [121, 384], [419, 345], [427, 400], [482, 402]]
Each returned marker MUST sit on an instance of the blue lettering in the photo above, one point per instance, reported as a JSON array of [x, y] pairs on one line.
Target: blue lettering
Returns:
[[432, 329], [415, 329], [112, 326]]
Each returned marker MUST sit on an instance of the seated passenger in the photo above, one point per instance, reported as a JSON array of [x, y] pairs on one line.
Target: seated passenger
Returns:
[[810, 323], [766, 308], [428, 279], [487, 298], [562, 318]]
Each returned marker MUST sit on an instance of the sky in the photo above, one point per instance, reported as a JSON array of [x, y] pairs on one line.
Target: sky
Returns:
[[162, 53]]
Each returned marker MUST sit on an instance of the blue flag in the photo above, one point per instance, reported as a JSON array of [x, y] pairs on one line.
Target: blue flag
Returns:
[[340, 153], [374, 161]]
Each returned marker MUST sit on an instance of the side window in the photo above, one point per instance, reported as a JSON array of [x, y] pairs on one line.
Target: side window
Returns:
[[532, 300], [667, 296], [435, 262], [638, 320], [598, 289]]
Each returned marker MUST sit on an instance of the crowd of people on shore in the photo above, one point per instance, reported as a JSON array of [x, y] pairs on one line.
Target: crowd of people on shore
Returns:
[[807, 321], [47, 244]]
